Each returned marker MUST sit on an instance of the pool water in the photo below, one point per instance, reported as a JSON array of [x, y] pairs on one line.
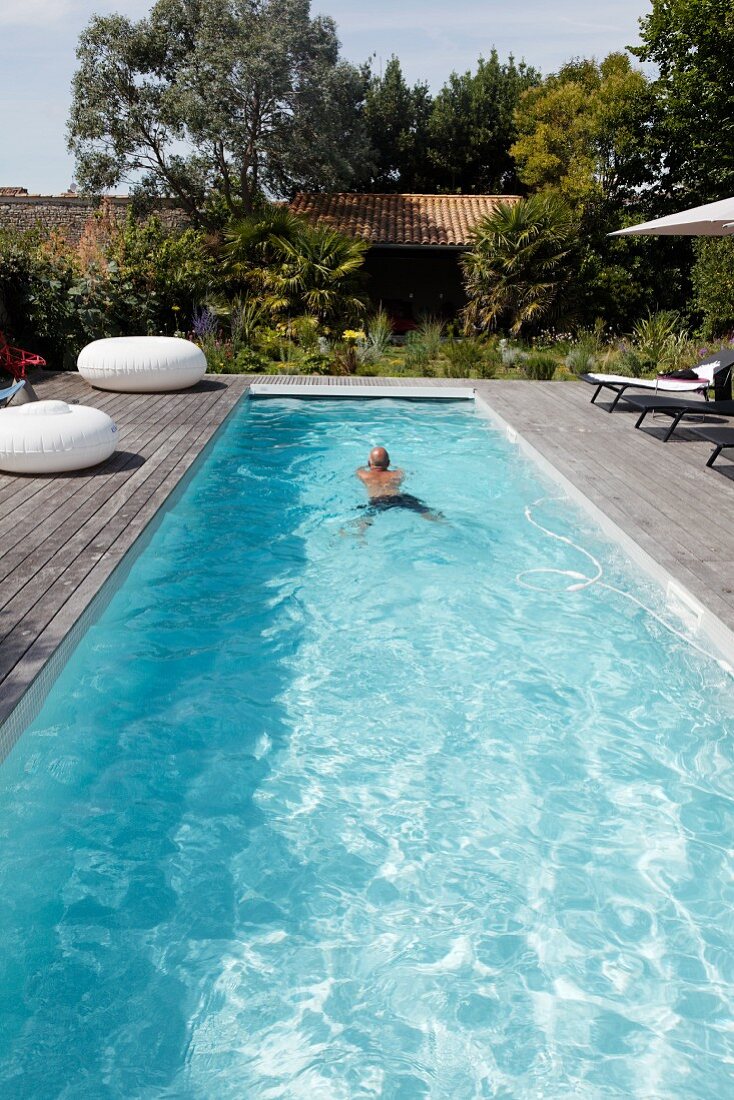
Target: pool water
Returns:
[[412, 811]]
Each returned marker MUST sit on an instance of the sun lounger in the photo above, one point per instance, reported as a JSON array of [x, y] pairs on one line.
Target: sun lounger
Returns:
[[722, 438], [675, 407], [619, 384], [714, 370]]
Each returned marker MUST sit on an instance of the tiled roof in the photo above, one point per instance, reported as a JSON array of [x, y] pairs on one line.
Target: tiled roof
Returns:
[[400, 219]]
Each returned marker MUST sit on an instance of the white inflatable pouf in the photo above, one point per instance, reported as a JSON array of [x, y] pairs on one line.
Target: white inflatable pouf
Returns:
[[142, 364], [49, 437]]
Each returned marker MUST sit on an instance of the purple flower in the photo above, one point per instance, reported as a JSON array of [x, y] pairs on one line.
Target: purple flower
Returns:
[[204, 322]]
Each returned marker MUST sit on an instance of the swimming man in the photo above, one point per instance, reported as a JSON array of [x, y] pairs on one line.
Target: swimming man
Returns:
[[383, 487]]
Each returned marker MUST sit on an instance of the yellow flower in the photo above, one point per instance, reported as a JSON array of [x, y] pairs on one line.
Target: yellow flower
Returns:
[[353, 334]]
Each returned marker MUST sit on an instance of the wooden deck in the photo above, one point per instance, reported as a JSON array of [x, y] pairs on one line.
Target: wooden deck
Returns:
[[61, 537]]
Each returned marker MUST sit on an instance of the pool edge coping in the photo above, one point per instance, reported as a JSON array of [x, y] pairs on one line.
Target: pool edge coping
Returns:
[[348, 389]]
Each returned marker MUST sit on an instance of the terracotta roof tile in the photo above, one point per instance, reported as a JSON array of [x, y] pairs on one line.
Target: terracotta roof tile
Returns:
[[400, 219]]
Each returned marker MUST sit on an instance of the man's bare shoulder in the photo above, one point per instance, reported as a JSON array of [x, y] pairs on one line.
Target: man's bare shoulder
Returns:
[[362, 473]]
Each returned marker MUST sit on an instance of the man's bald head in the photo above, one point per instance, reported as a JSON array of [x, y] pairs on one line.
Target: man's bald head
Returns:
[[379, 458]]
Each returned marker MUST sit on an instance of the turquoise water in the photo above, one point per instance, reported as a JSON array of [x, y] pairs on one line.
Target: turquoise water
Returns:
[[315, 815]]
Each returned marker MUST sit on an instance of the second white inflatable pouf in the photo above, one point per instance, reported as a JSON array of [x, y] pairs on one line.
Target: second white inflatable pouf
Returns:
[[142, 364], [51, 437]]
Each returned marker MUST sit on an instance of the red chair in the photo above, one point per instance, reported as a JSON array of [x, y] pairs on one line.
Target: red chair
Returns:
[[15, 361]]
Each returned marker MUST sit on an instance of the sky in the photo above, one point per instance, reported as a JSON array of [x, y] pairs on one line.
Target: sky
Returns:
[[431, 37]]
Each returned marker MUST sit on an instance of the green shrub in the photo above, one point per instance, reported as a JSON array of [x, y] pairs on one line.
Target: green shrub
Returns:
[[119, 281], [314, 362], [511, 355], [244, 361], [249, 361], [273, 343], [626, 361], [583, 355], [153, 277], [713, 285], [296, 268], [246, 318], [518, 272], [657, 340], [35, 285], [540, 366], [468, 356], [304, 330], [417, 356], [379, 338], [430, 334]]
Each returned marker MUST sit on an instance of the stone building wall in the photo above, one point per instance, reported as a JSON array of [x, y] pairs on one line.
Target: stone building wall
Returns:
[[67, 213]]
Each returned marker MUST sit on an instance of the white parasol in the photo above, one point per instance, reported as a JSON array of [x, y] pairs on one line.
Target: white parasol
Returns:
[[715, 219]]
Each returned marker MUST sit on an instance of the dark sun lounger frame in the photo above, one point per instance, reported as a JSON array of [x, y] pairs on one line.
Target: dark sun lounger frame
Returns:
[[676, 408], [722, 438], [619, 389], [721, 363]]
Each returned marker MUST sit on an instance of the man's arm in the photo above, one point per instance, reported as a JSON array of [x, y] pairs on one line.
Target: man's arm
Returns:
[[361, 473]]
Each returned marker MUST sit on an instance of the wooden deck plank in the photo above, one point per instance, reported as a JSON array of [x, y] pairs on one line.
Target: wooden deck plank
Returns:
[[22, 489], [660, 474], [75, 536], [35, 519]]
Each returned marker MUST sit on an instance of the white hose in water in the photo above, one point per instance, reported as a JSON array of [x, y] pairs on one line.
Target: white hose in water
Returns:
[[581, 581]]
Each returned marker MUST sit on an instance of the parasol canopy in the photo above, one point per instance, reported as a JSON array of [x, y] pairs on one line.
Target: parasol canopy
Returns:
[[715, 219]]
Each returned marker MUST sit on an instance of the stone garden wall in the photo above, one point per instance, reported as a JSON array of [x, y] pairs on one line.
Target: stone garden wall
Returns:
[[67, 213]]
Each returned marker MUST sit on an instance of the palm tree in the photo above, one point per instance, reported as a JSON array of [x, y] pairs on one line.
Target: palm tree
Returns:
[[250, 253], [520, 264], [292, 267], [320, 271], [249, 240]]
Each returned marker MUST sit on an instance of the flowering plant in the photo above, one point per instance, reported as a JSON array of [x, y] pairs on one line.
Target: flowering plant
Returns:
[[346, 356]]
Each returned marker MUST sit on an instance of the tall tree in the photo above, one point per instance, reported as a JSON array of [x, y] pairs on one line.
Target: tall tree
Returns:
[[583, 131], [396, 117], [713, 285], [239, 97], [472, 127], [692, 43]]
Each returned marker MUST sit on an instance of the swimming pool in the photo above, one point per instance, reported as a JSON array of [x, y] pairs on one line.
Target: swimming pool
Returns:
[[314, 815]]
